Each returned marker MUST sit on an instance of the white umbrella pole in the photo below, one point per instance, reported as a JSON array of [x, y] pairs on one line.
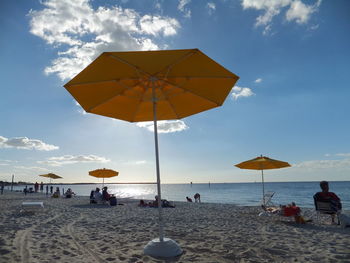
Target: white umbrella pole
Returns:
[[162, 247], [161, 230], [263, 187]]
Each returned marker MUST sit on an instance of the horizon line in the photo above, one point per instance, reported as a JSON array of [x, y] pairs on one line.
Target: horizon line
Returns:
[[82, 183]]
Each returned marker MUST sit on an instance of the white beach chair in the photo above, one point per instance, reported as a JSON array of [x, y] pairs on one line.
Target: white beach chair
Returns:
[[267, 199], [32, 206]]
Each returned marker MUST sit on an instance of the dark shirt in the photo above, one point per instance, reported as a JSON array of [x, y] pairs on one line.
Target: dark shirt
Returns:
[[105, 195]]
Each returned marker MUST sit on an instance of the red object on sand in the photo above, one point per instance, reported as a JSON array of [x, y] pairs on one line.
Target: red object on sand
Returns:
[[291, 211]]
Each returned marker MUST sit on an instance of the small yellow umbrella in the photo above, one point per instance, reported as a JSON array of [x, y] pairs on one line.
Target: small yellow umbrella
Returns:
[[103, 173], [51, 176], [150, 86], [262, 163]]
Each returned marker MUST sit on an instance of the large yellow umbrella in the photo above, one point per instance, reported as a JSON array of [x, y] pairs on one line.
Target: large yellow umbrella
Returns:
[[150, 86], [262, 163], [103, 173]]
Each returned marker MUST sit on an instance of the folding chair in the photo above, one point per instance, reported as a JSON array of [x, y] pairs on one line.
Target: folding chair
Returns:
[[326, 207], [266, 200]]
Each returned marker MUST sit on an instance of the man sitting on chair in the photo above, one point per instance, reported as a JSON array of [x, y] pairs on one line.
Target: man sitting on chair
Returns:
[[326, 196]]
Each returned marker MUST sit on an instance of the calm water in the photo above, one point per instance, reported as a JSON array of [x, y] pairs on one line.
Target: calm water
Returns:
[[247, 194]]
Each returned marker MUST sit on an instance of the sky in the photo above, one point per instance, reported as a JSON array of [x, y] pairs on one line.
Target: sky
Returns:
[[291, 102]]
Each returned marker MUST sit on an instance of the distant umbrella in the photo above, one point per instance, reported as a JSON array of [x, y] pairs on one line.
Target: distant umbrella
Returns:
[[103, 173], [51, 176], [262, 163]]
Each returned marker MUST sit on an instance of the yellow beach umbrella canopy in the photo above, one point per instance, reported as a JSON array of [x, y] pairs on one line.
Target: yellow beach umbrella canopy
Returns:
[[124, 85], [51, 176], [262, 163], [103, 173]]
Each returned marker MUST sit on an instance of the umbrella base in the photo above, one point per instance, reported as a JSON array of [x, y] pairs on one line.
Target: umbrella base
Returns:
[[167, 248]]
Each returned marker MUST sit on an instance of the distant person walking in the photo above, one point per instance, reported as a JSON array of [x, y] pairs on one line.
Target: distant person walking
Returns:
[[51, 189], [36, 187], [25, 190], [47, 189], [2, 186], [41, 187]]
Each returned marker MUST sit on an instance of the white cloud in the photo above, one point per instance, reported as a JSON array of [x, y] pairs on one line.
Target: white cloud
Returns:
[[155, 25], [26, 144], [300, 12], [296, 11], [183, 9], [314, 27], [324, 164], [83, 32], [141, 162], [211, 7], [238, 92], [259, 80], [343, 154], [31, 168], [70, 159], [164, 126]]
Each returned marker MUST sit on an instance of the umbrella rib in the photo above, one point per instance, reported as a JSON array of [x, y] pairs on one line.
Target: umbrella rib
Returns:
[[169, 67], [189, 91], [110, 98], [138, 105], [171, 105], [130, 65], [200, 77], [101, 81]]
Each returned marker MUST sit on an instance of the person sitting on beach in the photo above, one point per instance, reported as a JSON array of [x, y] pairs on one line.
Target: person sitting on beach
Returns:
[[197, 198], [164, 203], [142, 203], [188, 199], [155, 202], [326, 196], [97, 196], [105, 195], [69, 193], [56, 194], [92, 198]]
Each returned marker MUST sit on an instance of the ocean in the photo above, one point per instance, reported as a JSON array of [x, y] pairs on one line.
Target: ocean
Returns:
[[243, 194]]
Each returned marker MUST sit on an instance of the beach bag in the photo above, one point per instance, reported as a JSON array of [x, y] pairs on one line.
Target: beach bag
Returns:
[[113, 201]]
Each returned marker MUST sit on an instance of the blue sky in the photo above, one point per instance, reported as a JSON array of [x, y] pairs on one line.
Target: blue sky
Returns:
[[291, 102]]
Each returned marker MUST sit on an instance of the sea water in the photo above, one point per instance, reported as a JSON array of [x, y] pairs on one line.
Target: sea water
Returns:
[[243, 194]]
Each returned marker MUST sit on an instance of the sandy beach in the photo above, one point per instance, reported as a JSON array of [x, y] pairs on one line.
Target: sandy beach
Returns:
[[72, 230]]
